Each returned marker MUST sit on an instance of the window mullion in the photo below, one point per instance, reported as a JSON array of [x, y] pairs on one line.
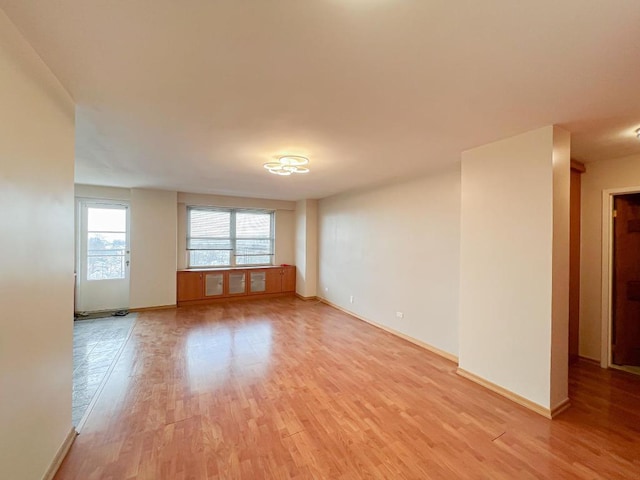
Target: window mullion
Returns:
[[233, 238]]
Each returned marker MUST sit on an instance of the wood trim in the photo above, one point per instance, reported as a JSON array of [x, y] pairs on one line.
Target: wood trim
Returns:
[[607, 270], [415, 341], [151, 309], [61, 453], [256, 296], [578, 166], [561, 407], [593, 361], [539, 409], [308, 299], [227, 269]]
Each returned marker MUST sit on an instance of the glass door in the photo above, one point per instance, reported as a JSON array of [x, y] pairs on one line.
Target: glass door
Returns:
[[103, 256]]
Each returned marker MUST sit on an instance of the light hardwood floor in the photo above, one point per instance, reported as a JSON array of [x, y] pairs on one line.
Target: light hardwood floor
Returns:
[[290, 389]]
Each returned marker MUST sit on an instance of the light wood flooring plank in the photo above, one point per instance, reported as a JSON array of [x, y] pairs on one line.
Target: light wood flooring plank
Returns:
[[287, 389]]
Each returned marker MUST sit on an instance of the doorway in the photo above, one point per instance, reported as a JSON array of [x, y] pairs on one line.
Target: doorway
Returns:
[[102, 256], [625, 282], [575, 199]]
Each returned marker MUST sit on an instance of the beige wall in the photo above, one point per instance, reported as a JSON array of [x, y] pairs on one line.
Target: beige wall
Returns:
[[158, 235], [561, 167], [103, 193], [285, 238], [36, 263], [606, 174], [153, 236], [306, 247], [507, 258], [396, 249], [154, 227]]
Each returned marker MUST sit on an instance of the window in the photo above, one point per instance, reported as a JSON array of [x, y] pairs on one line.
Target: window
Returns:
[[106, 243], [218, 237]]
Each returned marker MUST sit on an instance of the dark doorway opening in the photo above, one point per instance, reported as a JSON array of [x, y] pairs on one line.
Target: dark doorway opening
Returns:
[[625, 328]]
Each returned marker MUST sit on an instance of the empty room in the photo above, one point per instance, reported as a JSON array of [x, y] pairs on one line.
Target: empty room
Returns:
[[323, 239]]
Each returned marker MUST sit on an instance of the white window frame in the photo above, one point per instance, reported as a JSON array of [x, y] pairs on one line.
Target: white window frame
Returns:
[[232, 233]]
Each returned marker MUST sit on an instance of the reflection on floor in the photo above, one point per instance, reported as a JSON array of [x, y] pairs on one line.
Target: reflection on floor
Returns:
[[282, 388], [96, 344], [627, 368]]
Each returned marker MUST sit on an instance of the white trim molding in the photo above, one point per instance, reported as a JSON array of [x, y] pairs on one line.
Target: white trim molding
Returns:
[[60, 455], [549, 413], [415, 341], [607, 269]]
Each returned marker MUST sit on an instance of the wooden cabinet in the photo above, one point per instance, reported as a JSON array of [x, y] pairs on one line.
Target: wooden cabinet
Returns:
[[189, 286], [282, 279], [257, 282], [213, 284], [204, 286], [274, 281], [237, 282], [289, 279]]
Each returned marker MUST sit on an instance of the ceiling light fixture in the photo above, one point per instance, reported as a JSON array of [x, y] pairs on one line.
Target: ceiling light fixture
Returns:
[[638, 133], [288, 164]]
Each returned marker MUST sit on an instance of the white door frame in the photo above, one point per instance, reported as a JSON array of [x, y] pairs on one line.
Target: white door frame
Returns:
[[83, 203], [607, 270]]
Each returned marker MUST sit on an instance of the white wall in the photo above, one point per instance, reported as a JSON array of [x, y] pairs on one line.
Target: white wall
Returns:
[[507, 262], [306, 247], [36, 259], [158, 235], [561, 167], [396, 248], [285, 238], [606, 174], [154, 233], [284, 222], [153, 236], [104, 193]]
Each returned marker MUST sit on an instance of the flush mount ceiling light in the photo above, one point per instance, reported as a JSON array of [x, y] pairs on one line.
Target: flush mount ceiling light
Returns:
[[638, 133], [288, 164]]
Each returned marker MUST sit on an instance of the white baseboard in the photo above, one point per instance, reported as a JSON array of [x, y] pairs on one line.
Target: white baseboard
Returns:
[[514, 397], [62, 452], [415, 341]]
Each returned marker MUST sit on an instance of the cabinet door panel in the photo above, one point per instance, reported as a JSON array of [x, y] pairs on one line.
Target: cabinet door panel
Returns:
[[214, 284], [274, 280], [189, 286], [289, 279], [258, 281], [237, 283]]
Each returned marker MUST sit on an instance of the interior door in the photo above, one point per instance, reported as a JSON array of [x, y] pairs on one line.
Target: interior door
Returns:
[[626, 281], [103, 256]]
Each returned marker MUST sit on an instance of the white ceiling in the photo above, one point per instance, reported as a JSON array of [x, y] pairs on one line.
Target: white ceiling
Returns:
[[196, 95]]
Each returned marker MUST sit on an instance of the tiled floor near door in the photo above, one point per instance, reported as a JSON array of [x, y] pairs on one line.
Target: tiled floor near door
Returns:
[[96, 344]]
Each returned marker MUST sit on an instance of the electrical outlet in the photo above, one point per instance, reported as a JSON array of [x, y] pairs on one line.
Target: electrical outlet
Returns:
[[351, 299], [399, 315]]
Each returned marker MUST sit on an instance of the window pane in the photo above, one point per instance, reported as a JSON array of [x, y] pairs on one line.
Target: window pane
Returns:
[[209, 258], [253, 247], [106, 243], [210, 223], [106, 219], [105, 267], [253, 225], [253, 260], [209, 244]]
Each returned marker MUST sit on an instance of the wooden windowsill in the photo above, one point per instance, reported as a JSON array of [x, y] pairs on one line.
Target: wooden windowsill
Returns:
[[220, 269]]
